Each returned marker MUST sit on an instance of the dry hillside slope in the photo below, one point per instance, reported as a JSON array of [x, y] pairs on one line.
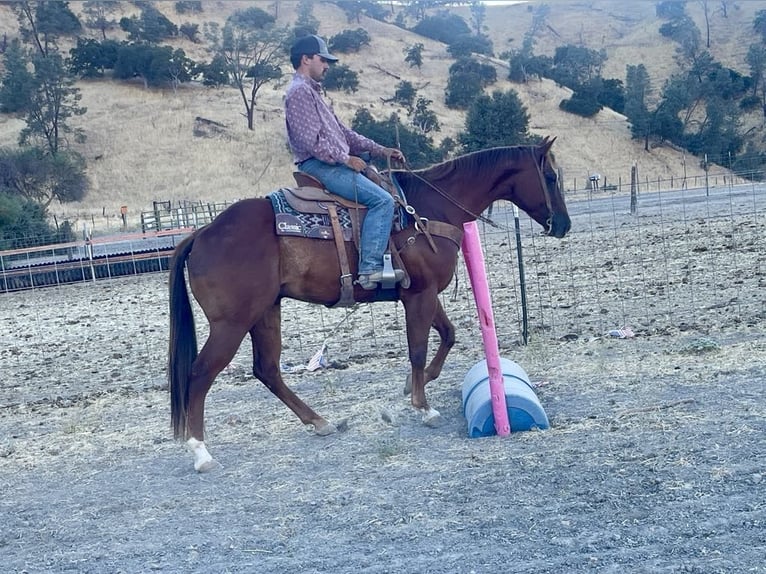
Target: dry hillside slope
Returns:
[[141, 145]]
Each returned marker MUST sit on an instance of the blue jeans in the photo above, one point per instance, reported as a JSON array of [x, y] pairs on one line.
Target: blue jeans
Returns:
[[376, 229]]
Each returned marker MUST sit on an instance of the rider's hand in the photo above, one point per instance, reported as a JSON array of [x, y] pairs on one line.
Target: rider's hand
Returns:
[[396, 154], [356, 163]]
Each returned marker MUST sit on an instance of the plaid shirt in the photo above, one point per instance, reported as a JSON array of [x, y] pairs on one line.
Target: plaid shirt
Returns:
[[313, 129]]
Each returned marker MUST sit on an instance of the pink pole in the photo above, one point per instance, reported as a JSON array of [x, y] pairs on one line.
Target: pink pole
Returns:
[[474, 262]]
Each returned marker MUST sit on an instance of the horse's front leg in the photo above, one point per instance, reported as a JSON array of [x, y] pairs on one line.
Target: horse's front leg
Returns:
[[420, 312], [446, 332]]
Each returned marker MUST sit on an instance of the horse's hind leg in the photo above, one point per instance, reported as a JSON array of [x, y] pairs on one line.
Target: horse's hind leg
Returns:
[[217, 352], [446, 332], [266, 335]]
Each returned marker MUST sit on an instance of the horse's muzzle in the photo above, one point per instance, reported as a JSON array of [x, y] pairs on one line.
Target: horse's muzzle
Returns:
[[558, 225]]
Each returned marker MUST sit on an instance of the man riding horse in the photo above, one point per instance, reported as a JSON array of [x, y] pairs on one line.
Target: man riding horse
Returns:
[[326, 149]]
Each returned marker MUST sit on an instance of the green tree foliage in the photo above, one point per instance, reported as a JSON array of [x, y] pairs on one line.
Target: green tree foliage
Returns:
[[478, 17], [581, 103], [467, 44], [53, 101], [98, 15], [34, 175], [18, 82], [156, 65], [443, 27], [252, 18], [24, 223], [417, 9], [467, 79], [423, 118], [413, 55], [355, 9], [43, 169], [405, 94], [610, 93], [349, 41], [42, 23], [189, 31], [523, 65], [417, 147], [698, 110], [756, 60], [251, 56], [574, 66], [341, 77], [150, 26], [214, 73], [637, 89], [685, 32], [499, 120], [90, 58], [306, 23]]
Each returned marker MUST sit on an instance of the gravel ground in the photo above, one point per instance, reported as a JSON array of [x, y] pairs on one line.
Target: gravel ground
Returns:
[[654, 461]]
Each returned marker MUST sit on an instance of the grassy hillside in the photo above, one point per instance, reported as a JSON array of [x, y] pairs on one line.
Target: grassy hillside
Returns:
[[141, 145]]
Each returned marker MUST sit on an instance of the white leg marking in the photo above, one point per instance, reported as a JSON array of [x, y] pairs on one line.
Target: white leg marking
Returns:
[[431, 417], [203, 462]]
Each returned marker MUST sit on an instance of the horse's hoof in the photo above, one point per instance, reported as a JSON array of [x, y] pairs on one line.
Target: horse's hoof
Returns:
[[207, 466], [203, 462], [325, 429], [408, 385], [432, 418]]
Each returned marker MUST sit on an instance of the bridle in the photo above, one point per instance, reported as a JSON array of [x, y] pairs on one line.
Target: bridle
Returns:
[[546, 194]]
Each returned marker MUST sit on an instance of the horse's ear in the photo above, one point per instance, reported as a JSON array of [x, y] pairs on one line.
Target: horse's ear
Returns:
[[545, 145]]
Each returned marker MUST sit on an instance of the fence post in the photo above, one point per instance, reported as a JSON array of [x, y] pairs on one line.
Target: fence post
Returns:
[[633, 188]]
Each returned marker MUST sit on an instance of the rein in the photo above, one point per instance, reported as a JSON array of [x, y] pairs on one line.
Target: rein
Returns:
[[452, 200], [487, 220]]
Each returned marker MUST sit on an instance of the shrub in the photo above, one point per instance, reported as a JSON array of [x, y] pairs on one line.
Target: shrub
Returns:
[[468, 44], [413, 55], [444, 27], [349, 41], [190, 31], [582, 105], [417, 147], [341, 77], [467, 80]]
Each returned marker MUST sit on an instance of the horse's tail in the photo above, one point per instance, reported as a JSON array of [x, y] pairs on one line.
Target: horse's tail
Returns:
[[183, 339]]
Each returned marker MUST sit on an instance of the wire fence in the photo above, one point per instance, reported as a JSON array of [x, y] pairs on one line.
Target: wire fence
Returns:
[[689, 259], [165, 215]]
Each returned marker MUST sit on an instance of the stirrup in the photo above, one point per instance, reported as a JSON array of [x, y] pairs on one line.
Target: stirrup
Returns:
[[389, 278]]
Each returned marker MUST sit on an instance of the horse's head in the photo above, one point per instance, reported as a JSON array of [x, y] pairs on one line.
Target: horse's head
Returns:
[[538, 191]]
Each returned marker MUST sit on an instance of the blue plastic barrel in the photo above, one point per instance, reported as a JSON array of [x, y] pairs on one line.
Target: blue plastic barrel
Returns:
[[524, 409]]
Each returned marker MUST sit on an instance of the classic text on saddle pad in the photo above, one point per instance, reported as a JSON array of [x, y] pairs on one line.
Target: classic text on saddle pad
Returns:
[[316, 225]]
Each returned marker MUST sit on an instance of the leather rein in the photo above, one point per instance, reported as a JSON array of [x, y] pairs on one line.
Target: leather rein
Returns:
[[456, 203]]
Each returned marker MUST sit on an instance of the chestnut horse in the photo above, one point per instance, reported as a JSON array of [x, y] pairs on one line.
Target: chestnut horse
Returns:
[[239, 270]]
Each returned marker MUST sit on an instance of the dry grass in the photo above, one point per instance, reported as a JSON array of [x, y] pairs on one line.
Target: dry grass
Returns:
[[146, 149]]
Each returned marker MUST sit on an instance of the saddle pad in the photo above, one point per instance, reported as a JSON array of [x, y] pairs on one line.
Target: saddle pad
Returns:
[[315, 225]]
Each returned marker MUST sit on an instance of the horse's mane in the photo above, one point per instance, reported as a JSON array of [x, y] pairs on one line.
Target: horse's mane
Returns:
[[472, 162]]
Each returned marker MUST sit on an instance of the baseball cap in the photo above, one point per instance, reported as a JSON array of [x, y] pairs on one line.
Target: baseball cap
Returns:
[[310, 45]]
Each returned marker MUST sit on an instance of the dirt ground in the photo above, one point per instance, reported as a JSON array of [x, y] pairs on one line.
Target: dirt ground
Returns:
[[654, 461]]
